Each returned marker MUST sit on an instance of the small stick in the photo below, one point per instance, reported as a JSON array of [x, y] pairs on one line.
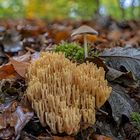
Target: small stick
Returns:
[[103, 112], [30, 49]]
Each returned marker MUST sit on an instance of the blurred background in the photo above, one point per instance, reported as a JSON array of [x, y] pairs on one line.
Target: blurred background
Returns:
[[70, 9]]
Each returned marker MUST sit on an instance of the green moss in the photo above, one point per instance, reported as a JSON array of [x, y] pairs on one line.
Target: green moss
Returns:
[[135, 119], [72, 51]]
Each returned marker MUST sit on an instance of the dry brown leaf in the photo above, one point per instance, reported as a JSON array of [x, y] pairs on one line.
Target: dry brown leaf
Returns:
[[7, 71], [60, 35], [13, 118], [134, 40], [63, 138], [16, 67], [20, 67], [114, 35], [101, 137], [21, 63], [23, 58]]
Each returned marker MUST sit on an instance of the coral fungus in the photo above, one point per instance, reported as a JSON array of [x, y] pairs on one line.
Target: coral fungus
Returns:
[[63, 94]]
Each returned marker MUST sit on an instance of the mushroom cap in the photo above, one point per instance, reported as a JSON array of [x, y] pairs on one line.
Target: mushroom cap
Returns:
[[84, 29]]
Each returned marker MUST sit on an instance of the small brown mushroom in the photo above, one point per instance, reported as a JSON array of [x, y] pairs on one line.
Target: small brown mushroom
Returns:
[[84, 30]]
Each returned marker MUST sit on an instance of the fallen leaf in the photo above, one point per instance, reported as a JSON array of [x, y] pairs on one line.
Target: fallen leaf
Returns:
[[13, 118], [21, 63], [123, 59], [7, 134], [23, 58], [101, 137], [121, 103], [59, 33], [63, 138], [123, 78], [20, 67], [98, 61], [114, 74], [7, 71], [114, 35], [16, 66]]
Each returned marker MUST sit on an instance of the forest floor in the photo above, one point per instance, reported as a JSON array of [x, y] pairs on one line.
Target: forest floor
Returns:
[[116, 48]]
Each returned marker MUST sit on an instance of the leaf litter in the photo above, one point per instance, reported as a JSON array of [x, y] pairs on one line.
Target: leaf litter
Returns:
[[118, 53]]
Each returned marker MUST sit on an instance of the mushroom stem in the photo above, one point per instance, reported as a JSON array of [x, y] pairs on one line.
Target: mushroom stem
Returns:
[[85, 46]]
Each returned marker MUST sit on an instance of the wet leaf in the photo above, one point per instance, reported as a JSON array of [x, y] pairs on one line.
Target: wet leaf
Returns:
[[121, 103], [99, 62], [123, 59], [114, 74], [108, 128], [126, 79]]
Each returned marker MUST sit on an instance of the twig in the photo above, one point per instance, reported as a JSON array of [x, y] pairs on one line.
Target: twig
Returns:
[[102, 111], [30, 49]]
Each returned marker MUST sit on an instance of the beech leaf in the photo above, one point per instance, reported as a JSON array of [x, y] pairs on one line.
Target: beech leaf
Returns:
[[20, 67], [7, 71], [124, 59]]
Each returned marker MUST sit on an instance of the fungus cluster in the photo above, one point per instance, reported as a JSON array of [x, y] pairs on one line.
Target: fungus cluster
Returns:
[[64, 94]]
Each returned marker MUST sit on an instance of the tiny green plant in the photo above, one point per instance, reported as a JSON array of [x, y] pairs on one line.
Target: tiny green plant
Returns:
[[135, 119], [72, 51]]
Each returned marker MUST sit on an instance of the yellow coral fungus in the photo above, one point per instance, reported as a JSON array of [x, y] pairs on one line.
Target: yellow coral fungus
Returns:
[[63, 94]]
